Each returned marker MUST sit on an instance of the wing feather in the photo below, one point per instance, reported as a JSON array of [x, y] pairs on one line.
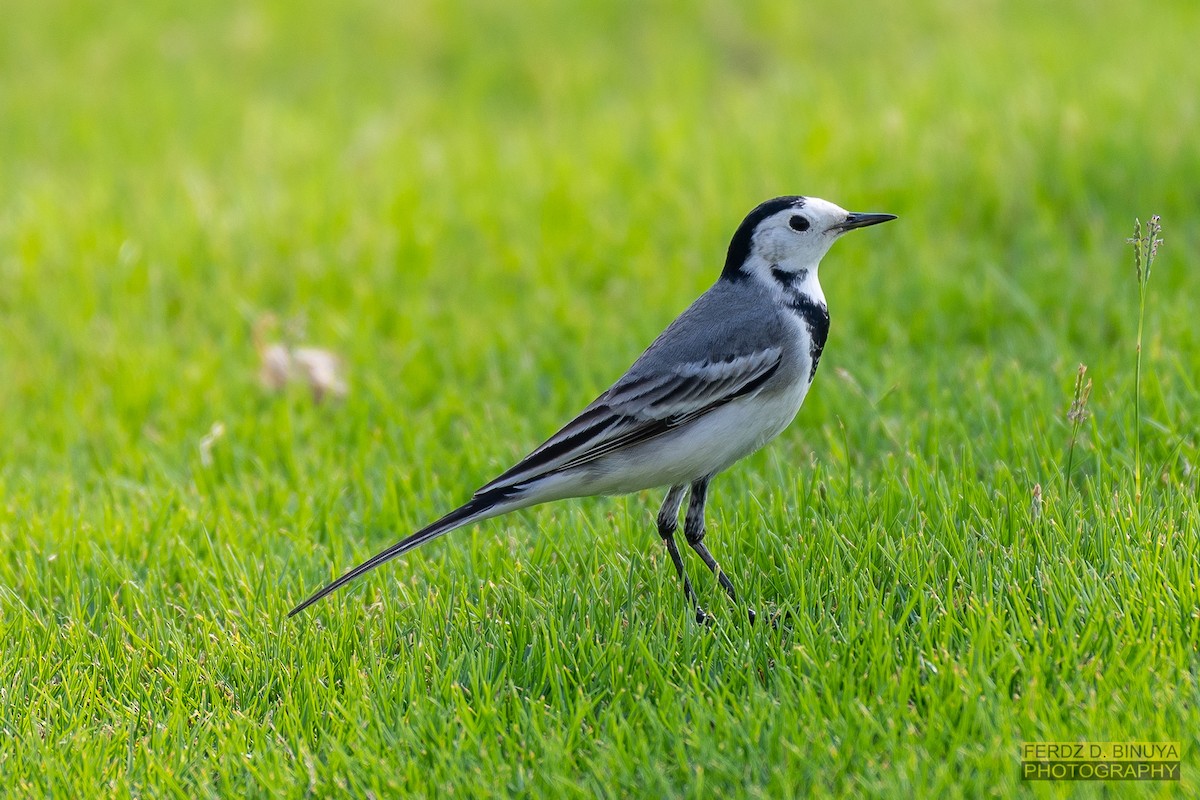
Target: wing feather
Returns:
[[640, 407]]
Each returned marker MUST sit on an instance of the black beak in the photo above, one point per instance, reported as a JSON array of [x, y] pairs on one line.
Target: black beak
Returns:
[[856, 220]]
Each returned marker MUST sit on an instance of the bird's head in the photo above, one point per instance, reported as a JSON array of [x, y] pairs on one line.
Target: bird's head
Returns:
[[790, 234]]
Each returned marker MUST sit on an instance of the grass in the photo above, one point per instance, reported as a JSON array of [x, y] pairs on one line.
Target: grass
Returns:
[[1145, 250], [488, 214]]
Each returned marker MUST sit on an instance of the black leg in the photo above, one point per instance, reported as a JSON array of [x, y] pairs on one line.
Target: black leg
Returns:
[[668, 522], [693, 531]]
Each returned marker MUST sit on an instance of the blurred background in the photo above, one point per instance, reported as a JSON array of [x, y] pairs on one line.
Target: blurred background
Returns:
[[484, 211], [466, 197]]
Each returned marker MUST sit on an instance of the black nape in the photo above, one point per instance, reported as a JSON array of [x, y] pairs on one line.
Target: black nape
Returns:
[[743, 237]]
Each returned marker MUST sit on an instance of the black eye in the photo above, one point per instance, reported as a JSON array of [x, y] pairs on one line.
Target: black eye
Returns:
[[799, 223]]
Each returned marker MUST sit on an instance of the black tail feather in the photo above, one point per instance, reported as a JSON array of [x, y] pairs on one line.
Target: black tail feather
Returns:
[[458, 517]]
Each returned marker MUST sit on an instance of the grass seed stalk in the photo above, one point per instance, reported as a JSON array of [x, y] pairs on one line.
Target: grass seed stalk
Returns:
[[1145, 250]]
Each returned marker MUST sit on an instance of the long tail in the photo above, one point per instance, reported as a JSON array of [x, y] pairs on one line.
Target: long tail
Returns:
[[483, 506]]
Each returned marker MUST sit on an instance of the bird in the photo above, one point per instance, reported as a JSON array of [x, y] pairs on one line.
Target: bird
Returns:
[[723, 380]]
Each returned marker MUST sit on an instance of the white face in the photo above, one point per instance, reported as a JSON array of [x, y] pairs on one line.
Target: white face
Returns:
[[795, 239], [787, 236]]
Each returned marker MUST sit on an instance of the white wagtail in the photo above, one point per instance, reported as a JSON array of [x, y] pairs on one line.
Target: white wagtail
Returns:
[[720, 382]]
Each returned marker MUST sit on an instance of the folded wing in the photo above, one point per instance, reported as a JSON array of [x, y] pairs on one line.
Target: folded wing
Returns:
[[640, 407]]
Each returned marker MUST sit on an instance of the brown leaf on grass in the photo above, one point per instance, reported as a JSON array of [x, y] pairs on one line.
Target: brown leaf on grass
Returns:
[[280, 364], [322, 370], [275, 368]]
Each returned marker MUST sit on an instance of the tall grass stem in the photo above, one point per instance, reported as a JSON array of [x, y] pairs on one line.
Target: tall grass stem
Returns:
[[1145, 249]]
